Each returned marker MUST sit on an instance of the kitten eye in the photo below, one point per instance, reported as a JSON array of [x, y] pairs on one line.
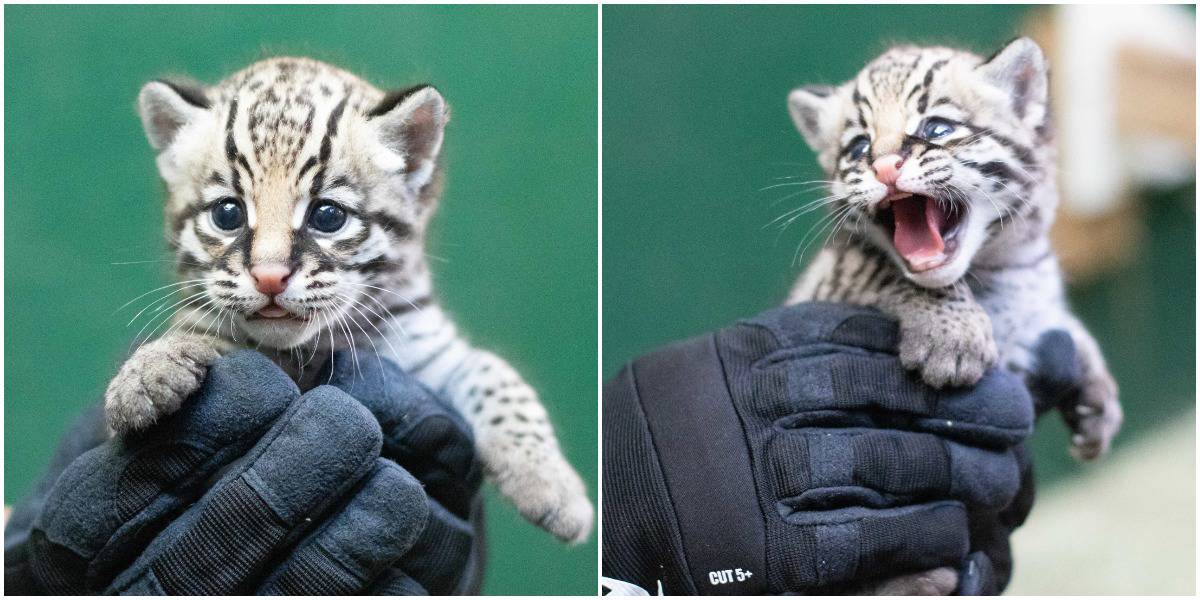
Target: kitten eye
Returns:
[[934, 128], [858, 147], [327, 217], [228, 214]]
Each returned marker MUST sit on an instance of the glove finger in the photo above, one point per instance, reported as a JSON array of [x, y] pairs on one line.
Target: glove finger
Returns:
[[374, 530], [977, 577], [439, 558], [821, 469], [1057, 376], [110, 501], [837, 388], [829, 548], [395, 582], [421, 432], [316, 453]]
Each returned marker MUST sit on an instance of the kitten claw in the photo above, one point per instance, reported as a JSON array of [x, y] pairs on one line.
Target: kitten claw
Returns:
[[1100, 418]]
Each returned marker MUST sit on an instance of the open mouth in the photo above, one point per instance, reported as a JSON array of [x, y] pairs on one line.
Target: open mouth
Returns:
[[924, 230]]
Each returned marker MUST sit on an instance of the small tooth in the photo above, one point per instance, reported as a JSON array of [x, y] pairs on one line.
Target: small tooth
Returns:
[[1077, 439], [1085, 410]]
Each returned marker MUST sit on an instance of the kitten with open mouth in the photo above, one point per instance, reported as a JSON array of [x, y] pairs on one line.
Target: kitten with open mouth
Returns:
[[944, 163]]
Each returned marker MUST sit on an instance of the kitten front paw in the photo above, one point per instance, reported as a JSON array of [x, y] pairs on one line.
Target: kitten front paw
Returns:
[[1097, 417], [155, 381], [544, 488], [950, 354]]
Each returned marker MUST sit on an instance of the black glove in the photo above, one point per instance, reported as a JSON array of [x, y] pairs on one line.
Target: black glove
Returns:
[[793, 453], [253, 488], [1055, 381]]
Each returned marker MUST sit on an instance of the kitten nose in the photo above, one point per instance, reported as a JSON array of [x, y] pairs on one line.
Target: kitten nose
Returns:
[[270, 279], [887, 168]]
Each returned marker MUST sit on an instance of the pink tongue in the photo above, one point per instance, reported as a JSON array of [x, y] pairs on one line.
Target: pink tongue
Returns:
[[918, 228]]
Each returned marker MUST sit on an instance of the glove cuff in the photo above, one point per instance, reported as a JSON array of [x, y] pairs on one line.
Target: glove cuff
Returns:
[[698, 453]]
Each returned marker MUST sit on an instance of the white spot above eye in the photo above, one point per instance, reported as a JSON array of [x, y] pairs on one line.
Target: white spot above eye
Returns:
[[387, 160]]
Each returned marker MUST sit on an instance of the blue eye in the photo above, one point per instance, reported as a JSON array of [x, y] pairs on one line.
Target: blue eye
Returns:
[[327, 217], [858, 147], [228, 214], [934, 128]]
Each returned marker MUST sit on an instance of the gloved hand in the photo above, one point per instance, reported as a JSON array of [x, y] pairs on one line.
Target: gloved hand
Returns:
[[253, 488], [793, 453], [1056, 381]]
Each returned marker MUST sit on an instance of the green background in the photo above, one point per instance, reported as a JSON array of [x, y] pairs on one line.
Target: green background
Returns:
[[696, 125], [516, 233]]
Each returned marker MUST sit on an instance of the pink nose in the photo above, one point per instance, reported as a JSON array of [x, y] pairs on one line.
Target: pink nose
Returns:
[[270, 279], [887, 168]]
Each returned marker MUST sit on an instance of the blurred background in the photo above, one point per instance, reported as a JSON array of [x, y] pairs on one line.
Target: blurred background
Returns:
[[515, 237], [696, 126]]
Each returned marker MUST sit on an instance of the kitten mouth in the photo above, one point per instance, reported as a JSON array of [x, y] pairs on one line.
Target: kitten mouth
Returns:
[[275, 312], [924, 230]]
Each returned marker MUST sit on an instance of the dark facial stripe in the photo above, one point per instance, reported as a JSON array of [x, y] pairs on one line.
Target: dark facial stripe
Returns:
[[326, 147], [353, 242], [923, 101], [994, 169], [393, 226]]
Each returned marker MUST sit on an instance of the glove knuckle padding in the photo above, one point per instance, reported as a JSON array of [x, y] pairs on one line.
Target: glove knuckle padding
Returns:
[[369, 533], [420, 431], [317, 451], [858, 469], [109, 500], [852, 444]]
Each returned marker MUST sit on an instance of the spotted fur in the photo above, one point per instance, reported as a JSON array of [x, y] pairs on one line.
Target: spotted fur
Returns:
[[277, 138], [1001, 289]]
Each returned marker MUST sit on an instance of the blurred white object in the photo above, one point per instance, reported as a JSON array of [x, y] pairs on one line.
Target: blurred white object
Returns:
[[1098, 161], [1138, 511]]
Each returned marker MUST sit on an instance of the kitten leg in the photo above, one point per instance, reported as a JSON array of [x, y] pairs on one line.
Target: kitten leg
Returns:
[[512, 432], [944, 333], [518, 447], [1096, 415], [157, 378]]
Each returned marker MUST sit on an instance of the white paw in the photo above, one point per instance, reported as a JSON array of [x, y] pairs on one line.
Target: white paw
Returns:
[[544, 488], [1099, 418], [948, 355], [155, 381]]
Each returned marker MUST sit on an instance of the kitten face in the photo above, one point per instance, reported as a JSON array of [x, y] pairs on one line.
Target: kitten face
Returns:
[[935, 153], [297, 194]]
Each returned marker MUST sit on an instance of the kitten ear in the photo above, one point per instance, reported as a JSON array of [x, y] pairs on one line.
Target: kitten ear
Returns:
[[1019, 69], [410, 123], [166, 106], [814, 110]]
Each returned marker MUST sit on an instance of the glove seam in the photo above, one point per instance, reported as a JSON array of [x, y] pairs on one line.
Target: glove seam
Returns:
[[676, 537]]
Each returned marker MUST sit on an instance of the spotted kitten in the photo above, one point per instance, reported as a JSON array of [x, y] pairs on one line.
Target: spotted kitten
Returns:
[[942, 169], [298, 202]]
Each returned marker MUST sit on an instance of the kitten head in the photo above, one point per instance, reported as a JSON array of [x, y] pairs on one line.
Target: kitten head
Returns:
[[297, 193], [937, 154]]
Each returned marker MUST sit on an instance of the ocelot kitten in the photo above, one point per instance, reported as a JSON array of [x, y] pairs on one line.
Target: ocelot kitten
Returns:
[[298, 200], [942, 169]]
